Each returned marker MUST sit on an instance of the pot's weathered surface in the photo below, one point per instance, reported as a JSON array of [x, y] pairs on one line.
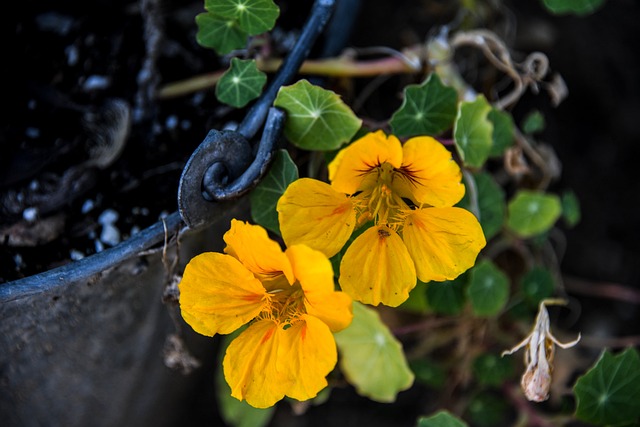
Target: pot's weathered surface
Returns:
[[91, 353]]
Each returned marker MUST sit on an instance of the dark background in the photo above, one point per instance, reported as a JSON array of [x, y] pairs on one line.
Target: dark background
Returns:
[[595, 133]]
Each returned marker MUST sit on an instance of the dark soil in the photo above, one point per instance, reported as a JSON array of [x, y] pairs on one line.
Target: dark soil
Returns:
[[72, 77]]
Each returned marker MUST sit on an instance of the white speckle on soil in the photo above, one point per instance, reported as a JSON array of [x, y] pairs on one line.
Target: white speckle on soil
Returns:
[[30, 214], [17, 258], [34, 185], [32, 132], [172, 122], [134, 230], [110, 235], [72, 55], [87, 206], [108, 217], [185, 124], [99, 246], [96, 83], [75, 254]]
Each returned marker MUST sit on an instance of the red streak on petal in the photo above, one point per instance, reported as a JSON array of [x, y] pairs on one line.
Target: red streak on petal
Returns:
[[268, 335]]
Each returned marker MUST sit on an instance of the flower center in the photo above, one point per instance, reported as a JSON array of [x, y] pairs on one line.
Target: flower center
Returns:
[[379, 201], [286, 303]]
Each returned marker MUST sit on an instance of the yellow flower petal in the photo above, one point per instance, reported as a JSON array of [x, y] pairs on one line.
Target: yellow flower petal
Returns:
[[252, 246], [254, 367], [311, 356], [377, 268], [314, 214], [348, 170], [443, 242], [218, 294], [315, 274], [429, 174]]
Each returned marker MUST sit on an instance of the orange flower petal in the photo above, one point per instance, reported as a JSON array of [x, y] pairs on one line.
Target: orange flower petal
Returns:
[[348, 170], [218, 294], [377, 268], [314, 214], [429, 175], [252, 246], [254, 367], [443, 242], [315, 274], [311, 355]]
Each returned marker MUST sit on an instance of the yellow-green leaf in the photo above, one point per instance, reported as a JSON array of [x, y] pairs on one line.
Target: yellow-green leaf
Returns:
[[533, 212], [473, 131], [441, 419], [317, 119], [371, 358]]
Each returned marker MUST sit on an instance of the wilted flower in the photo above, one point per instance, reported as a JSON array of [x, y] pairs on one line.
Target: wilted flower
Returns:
[[538, 356]]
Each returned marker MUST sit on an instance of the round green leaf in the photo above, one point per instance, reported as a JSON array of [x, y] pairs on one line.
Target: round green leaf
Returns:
[[254, 16], [570, 208], [538, 284], [447, 297], [371, 358], [265, 196], [473, 132], [241, 83], [317, 119], [441, 419], [608, 394], [492, 370], [503, 136], [427, 109], [429, 373], [221, 34], [578, 7], [533, 212], [488, 289], [487, 410]]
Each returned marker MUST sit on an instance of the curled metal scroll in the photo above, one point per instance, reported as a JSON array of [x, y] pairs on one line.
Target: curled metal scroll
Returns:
[[221, 184]]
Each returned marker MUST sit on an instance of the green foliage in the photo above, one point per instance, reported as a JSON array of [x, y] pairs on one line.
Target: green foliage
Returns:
[[503, 132], [265, 196], [253, 16], [447, 297], [533, 212], [492, 370], [473, 132], [488, 289], [417, 301], [571, 208], [537, 284], [317, 119], [234, 412], [608, 394], [226, 24], [241, 83], [491, 203], [578, 7], [487, 410], [533, 122], [427, 109], [441, 419], [429, 373], [371, 358], [218, 33]]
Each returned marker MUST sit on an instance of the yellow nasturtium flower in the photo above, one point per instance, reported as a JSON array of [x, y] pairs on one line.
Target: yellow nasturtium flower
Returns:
[[290, 303], [408, 191]]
